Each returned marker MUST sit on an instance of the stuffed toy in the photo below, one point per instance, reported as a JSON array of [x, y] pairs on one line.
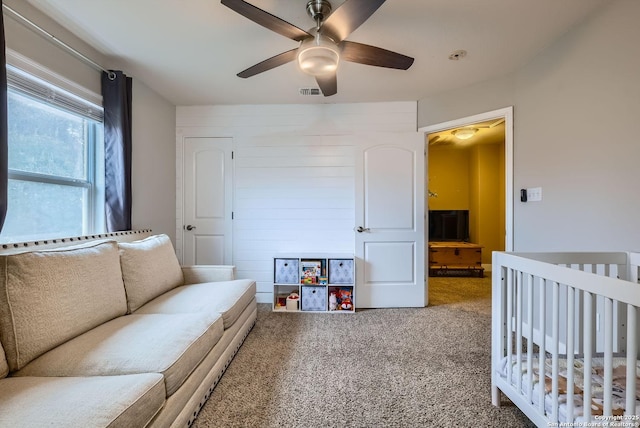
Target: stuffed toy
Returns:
[[345, 299], [333, 301]]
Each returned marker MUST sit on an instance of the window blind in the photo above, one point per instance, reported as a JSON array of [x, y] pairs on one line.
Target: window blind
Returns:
[[40, 89]]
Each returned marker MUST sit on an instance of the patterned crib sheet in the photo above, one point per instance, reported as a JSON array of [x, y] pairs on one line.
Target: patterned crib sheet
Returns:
[[619, 389]]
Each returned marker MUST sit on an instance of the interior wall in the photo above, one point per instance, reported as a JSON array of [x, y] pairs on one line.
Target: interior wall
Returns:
[[294, 175], [486, 96], [36, 47], [475, 197], [585, 92], [488, 206], [471, 178], [153, 179], [449, 178], [502, 184], [573, 105]]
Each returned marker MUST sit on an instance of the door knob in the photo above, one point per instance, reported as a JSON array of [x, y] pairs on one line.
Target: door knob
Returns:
[[189, 227], [361, 229]]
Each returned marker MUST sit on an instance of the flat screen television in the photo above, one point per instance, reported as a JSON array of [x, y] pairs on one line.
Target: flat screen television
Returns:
[[448, 225]]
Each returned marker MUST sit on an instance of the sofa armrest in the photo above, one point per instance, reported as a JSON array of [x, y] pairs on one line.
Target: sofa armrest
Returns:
[[208, 273]]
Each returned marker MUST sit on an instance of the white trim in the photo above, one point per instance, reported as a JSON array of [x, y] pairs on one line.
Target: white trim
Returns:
[[179, 194], [507, 114]]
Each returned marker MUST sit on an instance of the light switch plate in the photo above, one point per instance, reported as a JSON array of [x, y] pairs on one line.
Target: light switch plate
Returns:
[[534, 194]]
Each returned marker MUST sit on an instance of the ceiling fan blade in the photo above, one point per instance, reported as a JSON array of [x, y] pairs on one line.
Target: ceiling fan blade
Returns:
[[328, 84], [266, 19], [349, 16], [371, 55], [270, 63]]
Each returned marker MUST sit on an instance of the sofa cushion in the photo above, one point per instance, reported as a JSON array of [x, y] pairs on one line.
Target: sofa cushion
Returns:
[[109, 401], [172, 345], [4, 366], [48, 297], [149, 268], [228, 298]]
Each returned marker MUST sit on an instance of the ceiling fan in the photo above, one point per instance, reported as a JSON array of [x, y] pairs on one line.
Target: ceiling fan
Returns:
[[322, 47]]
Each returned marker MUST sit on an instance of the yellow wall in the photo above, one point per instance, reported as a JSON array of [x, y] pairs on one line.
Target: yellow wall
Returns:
[[487, 209], [472, 178], [449, 178]]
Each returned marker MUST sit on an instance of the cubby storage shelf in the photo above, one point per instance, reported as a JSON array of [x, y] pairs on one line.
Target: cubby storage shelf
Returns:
[[322, 283]]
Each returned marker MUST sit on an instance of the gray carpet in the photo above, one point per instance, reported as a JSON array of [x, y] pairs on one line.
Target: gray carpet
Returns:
[[375, 368]]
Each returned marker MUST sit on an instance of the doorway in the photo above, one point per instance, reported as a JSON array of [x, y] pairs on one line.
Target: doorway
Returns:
[[474, 174]]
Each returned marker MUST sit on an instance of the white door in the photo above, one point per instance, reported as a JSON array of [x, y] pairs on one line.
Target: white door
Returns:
[[207, 201], [390, 217]]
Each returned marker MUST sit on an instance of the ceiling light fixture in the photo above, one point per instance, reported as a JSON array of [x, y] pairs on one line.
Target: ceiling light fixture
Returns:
[[318, 55], [465, 133]]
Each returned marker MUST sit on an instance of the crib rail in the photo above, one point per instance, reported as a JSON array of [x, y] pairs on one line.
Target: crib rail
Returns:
[[559, 309]]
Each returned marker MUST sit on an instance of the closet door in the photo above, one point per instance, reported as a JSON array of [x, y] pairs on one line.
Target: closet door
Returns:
[[207, 196]]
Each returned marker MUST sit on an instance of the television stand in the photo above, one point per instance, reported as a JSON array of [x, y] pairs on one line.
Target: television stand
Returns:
[[453, 258]]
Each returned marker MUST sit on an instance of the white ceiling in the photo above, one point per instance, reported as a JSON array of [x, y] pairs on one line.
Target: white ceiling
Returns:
[[189, 51]]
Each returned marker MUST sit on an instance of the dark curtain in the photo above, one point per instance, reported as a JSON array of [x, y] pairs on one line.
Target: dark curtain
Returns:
[[116, 98], [4, 133]]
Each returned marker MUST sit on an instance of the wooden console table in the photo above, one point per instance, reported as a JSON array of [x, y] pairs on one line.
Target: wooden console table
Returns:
[[455, 259]]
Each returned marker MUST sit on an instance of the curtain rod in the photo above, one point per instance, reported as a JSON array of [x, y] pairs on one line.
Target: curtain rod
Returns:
[[59, 42]]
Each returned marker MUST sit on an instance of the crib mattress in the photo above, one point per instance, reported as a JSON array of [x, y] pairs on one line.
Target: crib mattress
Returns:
[[619, 389]]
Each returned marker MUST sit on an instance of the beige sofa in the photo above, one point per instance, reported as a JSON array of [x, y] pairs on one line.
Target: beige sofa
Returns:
[[115, 334]]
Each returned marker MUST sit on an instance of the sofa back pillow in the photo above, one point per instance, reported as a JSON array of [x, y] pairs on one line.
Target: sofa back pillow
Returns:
[[149, 268], [4, 366], [49, 297]]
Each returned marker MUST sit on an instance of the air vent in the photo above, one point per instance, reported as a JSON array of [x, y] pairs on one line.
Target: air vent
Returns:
[[310, 91]]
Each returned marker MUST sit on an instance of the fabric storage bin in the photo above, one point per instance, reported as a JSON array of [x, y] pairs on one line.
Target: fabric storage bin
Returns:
[[286, 271], [341, 271], [314, 298]]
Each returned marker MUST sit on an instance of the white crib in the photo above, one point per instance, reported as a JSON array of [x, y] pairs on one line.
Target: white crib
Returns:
[[570, 319]]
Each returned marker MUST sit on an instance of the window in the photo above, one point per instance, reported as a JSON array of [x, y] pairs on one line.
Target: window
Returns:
[[56, 164]]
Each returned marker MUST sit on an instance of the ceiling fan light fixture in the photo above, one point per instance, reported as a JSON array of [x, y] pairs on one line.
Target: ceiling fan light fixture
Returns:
[[318, 55], [465, 133]]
